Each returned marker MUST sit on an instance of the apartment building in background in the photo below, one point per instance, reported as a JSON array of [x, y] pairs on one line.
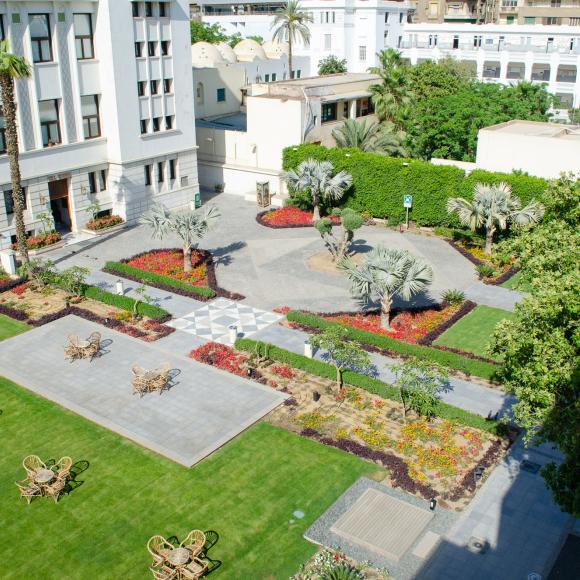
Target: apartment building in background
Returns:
[[107, 114], [355, 30], [504, 53]]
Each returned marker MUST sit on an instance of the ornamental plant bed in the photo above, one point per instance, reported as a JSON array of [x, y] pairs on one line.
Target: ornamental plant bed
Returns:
[[104, 225], [46, 240], [429, 459], [163, 269], [288, 217]]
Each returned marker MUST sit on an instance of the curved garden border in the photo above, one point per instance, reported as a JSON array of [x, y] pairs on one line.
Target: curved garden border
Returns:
[[260, 220]]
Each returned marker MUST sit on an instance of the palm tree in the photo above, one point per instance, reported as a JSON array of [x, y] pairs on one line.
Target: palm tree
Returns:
[[371, 136], [392, 97], [13, 67], [188, 225], [291, 24], [492, 208], [384, 274], [316, 178]]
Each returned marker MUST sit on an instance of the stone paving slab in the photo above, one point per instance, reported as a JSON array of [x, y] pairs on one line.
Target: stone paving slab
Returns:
[[202, 411]]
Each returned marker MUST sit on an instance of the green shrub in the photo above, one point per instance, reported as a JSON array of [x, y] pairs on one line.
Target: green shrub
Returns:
[[369, 384], [485, 270], [447, 359], [154, 279], [453, 296], [379, 183], [123, 302]]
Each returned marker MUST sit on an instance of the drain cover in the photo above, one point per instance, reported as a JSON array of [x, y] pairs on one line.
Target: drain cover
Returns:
[[477, 545], [530, 466], [298, 514]]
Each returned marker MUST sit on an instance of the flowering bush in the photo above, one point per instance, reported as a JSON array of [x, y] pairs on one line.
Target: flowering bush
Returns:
[[283, 371], [105, 222], [41, 241], [282, 310], [333, 564], [314, 420], [289, 217], [170, 263], [20, 289], [220, 356]]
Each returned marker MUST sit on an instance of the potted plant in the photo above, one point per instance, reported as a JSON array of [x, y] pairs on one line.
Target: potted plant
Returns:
[[100, 225]]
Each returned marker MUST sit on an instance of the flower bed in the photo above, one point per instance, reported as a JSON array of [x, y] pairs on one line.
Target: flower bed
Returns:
[[41, 241], [170, 263], [220, 356], [288, 217], [104, 223]]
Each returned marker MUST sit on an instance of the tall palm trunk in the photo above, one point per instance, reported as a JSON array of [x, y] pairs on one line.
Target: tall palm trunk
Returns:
[[386, 304], [187, 258], [290, 54], [9, 109], [489, 239]]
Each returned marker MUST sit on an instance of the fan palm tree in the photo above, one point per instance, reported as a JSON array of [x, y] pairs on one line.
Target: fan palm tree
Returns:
[[13, 67], [493, 208], [188, 225], [392, 97], [291, 24], [371, 136], [384, 274], [316, 178]]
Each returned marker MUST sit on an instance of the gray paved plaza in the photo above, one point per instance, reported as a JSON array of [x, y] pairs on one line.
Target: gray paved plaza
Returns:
[[203, 409]]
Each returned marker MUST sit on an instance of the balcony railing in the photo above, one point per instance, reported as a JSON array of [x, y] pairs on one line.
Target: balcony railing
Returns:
[[496, 47]]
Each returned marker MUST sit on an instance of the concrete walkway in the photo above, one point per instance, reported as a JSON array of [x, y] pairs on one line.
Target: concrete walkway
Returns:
[[494, 296], [463, 394]]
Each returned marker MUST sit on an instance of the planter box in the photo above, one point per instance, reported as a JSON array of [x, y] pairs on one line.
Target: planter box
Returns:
[[39, 251], [104, 231]]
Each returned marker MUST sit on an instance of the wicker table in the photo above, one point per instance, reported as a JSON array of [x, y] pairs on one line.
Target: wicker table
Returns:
[[44, 476], [178, 556]]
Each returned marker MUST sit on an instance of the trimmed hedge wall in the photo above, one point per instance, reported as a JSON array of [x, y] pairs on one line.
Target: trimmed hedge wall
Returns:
[[379, 183], [369, 384], [448, 359]]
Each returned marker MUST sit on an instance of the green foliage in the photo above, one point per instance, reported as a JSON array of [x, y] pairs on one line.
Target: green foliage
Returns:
[[372, 137], [447, 359], [351, 220], [342, 571], [431, 79], [149, 277], [124, 302], [331, 65], [204, 32], [485, 270], [453, 297], [369, 384], [73, 279], [380, 182]]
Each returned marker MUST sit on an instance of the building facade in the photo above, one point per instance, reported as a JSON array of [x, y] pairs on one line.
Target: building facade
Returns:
[[505, 53], [107, 114]]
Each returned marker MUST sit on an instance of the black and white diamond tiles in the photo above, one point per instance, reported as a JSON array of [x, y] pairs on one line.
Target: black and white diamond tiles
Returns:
[[211, 322]]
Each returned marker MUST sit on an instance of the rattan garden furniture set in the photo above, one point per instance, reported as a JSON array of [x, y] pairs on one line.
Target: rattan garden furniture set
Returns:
[[177, 562], [79, 349], [42, 481]]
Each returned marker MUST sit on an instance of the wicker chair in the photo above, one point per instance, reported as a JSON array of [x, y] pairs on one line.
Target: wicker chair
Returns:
[[158, 547], [161, 378], [55, 489], [194, 542], [195, 569], [163, 573], [139, 382], [94, 347], [28, 490], [63, 467], [72, 350], [32, 464]]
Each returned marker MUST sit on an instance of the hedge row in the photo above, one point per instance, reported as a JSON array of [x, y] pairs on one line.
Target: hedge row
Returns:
[[158, 280], [448, 359], [379, 183], [369, 384]]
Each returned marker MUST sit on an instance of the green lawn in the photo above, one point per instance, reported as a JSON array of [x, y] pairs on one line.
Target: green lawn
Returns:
[[516, 283], [10, 327], [246, 492], [472, 332]]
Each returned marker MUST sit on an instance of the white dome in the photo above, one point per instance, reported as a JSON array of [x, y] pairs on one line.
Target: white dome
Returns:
[[204, 54], [227, 52], [275, 49], [248, 50]]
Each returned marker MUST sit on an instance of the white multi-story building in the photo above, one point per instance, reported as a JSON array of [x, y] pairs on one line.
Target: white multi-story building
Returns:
[[107, 114], [355, 30], [504, 53]]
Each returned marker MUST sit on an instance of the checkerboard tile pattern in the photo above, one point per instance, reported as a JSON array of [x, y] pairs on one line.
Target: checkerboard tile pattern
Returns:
[[211, 322]]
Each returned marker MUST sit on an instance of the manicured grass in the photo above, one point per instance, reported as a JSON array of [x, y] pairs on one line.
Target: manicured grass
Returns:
[[516, 283], [246, 492], [472, 332], [10, 327]]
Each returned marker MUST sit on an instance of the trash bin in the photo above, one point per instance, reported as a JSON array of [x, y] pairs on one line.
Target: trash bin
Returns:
[[197, 200], [263, 193]]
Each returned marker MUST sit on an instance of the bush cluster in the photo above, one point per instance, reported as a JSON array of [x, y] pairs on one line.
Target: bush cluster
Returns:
[[379, 183]]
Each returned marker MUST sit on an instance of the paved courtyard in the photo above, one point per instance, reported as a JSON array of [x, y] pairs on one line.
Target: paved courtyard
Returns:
[[203, 409]]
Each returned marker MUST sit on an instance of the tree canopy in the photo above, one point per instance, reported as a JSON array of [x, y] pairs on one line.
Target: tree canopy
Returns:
[[331, 64]]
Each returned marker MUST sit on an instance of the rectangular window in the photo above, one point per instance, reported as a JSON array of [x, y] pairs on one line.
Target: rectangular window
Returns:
[[40, 37], [298, 73], [552, 21], [556, 3], [574, 22], [167, 86], [49, 122], [141, 88], [274, 76], [328, 112], [401, 15], [144, 126], [92, 182], [327, 41], [173, 169], [529, 19], [362, 53], [2, 31], [363, 107], [148, 9], [9, 201], [83, 24], [139, 49], [160, 172], [152, 48], [345, 110], [163, 9], [169, 122], [90, 113], [221, 95], [154, 87], [165, 47], [156, 124], [148, 171], [103, 180], [386, 17], [2, 133], [477, 40], [267, 78], [135, 7]]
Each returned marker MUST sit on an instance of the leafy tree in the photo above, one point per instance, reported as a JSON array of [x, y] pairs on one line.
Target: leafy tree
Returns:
[[73, 279], [349, 223], [13, 68], [187, 225], [419, 383], [316, 178], [331, 65], [431, 79], [392, 96], [290, 25], [259, 39], [234, 39], [384, 274], [492, 208], [371, 136], [204, 32], [342, 353]]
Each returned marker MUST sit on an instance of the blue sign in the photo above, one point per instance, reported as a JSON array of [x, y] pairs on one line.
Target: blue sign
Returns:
[[407, 201]]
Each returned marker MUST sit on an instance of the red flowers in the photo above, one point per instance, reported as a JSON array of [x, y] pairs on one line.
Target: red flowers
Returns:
[[220, 356], [290, 216], [170, 263], [283, 371], [20, 289], [40, 241], [105, 222]]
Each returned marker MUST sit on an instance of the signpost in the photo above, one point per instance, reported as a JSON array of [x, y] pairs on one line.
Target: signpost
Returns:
[[407, 203]]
